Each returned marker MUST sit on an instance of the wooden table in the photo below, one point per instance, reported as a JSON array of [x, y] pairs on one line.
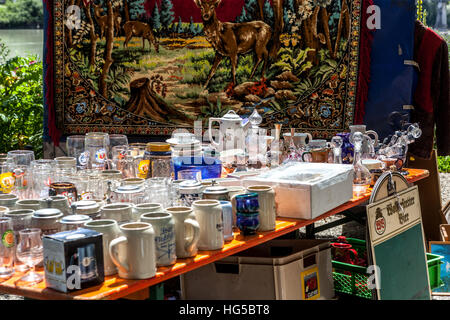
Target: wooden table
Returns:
[[115, 287]]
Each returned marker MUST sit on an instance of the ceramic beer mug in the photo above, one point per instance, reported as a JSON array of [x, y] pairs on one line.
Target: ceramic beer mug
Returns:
[[267, 207], [29, 204], [164, 226], [134, 252], [57, 202], [142, 208], [110, 231], [209, 216], [121, 212], [187, 231]]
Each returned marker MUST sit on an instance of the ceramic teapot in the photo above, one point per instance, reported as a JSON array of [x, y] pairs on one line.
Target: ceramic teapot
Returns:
[[232, 132]]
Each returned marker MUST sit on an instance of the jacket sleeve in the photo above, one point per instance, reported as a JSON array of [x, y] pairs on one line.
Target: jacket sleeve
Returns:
[[442, 103]]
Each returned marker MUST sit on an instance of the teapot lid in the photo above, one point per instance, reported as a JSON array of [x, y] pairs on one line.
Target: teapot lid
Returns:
[[231, 115]]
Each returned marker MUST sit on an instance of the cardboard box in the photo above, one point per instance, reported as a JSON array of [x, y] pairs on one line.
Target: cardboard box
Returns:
[[73, 260], [275, 270], [307, 190]]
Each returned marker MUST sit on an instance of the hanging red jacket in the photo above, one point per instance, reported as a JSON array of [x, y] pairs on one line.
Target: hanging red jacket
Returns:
[[432, 95]]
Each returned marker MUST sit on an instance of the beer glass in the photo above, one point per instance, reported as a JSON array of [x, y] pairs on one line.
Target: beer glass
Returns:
[[97, 144]]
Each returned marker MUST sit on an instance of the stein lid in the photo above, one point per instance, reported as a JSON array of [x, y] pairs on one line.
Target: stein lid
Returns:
[[129, 188], [75, 219], [47, 213], [189, 186], [216, 190]]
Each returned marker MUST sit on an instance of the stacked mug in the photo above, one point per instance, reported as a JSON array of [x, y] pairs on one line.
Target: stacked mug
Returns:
[[247, 213]]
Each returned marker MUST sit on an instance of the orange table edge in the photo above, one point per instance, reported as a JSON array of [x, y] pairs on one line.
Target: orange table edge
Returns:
[[114, 287]]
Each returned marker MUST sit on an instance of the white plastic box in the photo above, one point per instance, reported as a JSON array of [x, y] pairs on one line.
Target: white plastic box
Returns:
[[307, 190], [270, 271]]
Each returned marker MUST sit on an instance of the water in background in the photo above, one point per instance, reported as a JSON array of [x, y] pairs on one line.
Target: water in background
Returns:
[[23, 42]]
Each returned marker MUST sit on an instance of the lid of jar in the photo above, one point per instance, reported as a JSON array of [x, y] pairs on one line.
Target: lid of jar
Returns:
[[216, 190], [183, 140], [158, 147], [86, 206], [75, 219], [190, 185], [47, 213], [129, 188]]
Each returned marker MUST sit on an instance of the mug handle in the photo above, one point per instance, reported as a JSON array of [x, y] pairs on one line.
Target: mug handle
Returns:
[[303, 155], [196, 228], [113, 253], [309, 137], [375, 135], [211, 138]]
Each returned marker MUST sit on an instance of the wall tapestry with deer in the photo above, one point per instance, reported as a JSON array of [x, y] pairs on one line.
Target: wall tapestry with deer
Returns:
[[149, 66]]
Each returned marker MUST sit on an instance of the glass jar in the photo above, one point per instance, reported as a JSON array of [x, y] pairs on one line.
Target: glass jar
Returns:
[[158, 159]]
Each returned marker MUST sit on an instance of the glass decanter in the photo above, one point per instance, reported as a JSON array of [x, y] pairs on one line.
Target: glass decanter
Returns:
[[336, 144], [361, 175]]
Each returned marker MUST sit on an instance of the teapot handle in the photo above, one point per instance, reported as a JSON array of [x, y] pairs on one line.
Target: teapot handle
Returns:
[[211, 139]]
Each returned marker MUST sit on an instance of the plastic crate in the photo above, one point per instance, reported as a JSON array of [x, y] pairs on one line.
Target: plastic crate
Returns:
[[352, 280], [434, 262]]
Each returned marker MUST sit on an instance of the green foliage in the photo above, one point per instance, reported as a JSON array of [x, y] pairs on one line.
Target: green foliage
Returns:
[[180, 28], [136, 8], [21, 103], [166, 14], [293, 60], [21, 13], [214, 111], [155, 19], [444, 164]]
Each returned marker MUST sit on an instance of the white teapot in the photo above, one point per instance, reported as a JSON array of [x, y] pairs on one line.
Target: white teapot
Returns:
[[232, 132]]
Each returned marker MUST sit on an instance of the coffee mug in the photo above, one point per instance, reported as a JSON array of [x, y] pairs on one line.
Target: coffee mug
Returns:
[[134, 252], [110, 231], [187, 231], [208, 213], [164, 226]]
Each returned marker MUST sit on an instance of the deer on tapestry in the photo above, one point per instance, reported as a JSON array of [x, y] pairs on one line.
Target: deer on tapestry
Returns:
[[232, 39], [102, 19], [140, 29]]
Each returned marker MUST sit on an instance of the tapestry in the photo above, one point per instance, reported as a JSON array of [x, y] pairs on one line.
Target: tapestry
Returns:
[[146, 67]]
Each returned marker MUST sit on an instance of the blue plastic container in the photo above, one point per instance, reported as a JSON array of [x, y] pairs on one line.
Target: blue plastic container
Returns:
[[209, 167]]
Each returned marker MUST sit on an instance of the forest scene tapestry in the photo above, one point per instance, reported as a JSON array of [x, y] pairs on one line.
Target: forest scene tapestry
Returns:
[[149, 66]]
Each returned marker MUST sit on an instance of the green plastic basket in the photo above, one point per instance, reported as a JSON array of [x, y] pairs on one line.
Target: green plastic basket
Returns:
[[352, 280]]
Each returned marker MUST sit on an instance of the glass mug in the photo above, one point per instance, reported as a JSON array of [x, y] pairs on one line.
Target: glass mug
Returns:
[[97, 144], [66, 189], [76, 148]]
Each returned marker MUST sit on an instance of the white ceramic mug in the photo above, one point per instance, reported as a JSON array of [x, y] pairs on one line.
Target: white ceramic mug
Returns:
[[187, 231], [164, 226], [110, 231], [267, 207], [209, 216], [121, 212], [135, 255], [140, 209]]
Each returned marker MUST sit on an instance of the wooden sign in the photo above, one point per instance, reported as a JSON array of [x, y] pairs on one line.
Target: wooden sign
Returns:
[[398, 247]]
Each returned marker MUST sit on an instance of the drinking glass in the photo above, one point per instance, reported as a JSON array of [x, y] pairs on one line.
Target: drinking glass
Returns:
[[23, 184], [21, 157], [76, 148], [117, 140], [159, 191], [97, 144], [7, 179], [6, 248], [31, 252], [42, 172], [123, 160]]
